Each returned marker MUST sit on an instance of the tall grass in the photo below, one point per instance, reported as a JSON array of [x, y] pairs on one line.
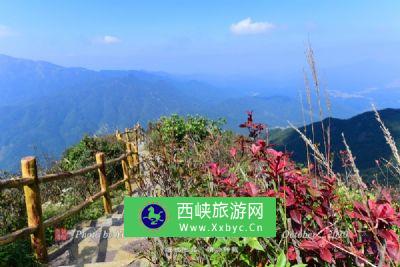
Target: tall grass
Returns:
[[392, 144]]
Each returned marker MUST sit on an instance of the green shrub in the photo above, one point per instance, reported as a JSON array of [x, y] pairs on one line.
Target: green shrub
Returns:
[[179, 147], [175, 128], [83, 154], [18, 253], [12, 218]]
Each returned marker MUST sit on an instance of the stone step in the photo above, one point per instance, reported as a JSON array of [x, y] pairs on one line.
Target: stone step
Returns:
[[97, 242], [119, 263]]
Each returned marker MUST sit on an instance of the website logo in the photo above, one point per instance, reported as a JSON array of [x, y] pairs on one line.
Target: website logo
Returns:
[[153, 216], [200, 217]]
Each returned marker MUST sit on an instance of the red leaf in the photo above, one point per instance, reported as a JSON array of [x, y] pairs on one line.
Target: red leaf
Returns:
[[309, 258], [288, 195], [371, 204], [392, 244], [359, 206], [326, 255], [233, 152], [222, 194], [319, 221], [255, 149], [231, 180], [274, 153], [320, 211], [251, 189], [386, 195], [291, 253], [314, 192], [340, 255], [296, 216], [351, 235], [308, 245], [216, 170], [261, 143]]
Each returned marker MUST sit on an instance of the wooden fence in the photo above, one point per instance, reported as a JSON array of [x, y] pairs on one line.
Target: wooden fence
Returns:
[[30, 182]]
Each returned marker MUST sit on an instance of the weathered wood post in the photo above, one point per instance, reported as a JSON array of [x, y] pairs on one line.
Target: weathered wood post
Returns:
[[135, 150], [118, 135], [127, 176], [135, 156], [100, 159], [34, 208], [127, 135], [130, 157], [136, 159]]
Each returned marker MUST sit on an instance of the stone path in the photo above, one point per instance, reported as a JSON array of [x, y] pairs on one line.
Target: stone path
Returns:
[[100, 243]]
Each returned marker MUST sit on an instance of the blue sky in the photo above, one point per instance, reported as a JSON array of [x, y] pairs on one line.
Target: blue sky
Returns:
[[218, 37]]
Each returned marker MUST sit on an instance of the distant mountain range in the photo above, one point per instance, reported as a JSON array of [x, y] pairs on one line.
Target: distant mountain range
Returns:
[[362, 133], [44, 108]]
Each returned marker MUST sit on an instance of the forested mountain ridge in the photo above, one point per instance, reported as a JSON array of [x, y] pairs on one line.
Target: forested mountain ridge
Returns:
[[362, 133]]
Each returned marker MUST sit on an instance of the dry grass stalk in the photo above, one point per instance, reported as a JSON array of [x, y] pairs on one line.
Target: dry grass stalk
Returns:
[[388, 137], [309, 102], [356, 172], [318, 156], [393, 170], [304, 126], [328, 128], [312, 65], [311, 113]]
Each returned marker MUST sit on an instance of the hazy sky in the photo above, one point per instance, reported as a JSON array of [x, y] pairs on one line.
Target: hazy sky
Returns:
[[210, 37]]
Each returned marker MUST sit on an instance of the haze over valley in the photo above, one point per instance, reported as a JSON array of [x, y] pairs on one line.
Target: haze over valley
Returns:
[[46, 107]]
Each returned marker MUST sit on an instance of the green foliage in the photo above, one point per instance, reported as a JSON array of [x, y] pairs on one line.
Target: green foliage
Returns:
[[12, 210], [73, 191], [18, 253], [79, 156], [175, 128], [227, 252], [60, 196], [12, 218], [282, 261], [178, 159], [233, 251], [83, 154]]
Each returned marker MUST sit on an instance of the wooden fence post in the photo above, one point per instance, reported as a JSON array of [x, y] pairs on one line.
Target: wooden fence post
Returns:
[[127, 135], [118, 135], [127, 177], [136, 151], [135, 158], [100, 159], [130, 157], [34, 208]]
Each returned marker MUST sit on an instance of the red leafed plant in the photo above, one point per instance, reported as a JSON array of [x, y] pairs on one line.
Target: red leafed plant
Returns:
[[255, 129], [379, 216], [311, 203]]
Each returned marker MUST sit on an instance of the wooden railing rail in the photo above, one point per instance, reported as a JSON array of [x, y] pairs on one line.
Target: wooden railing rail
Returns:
[[72, 211], [30, 183], [13, 183], [64, 175], [5, 239]]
